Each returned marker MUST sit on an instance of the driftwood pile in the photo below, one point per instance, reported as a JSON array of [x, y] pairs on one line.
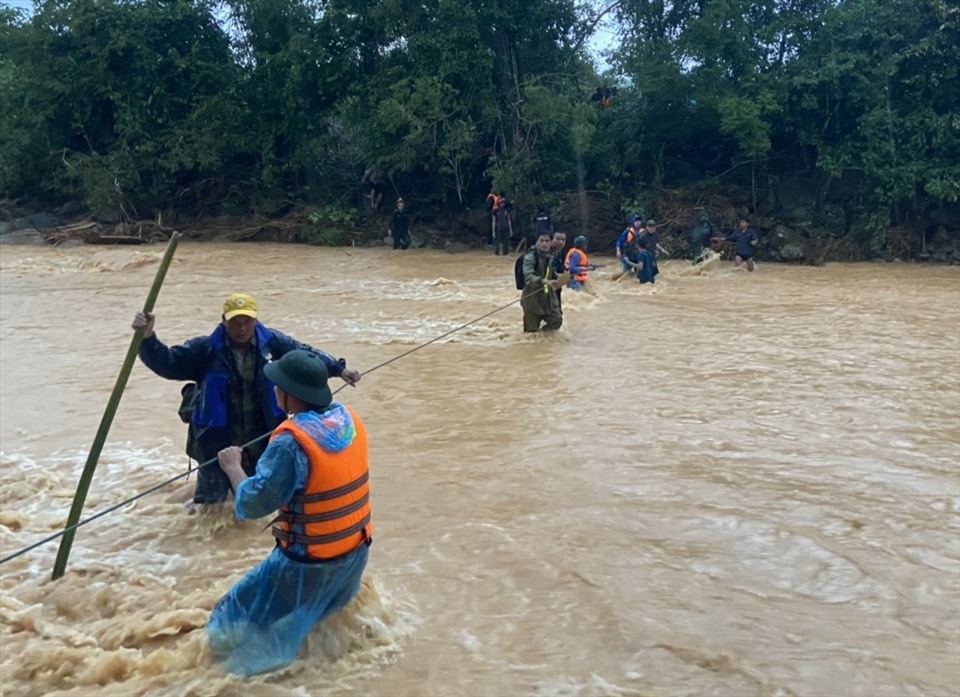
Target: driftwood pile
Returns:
[[93, 232], [219, 229]]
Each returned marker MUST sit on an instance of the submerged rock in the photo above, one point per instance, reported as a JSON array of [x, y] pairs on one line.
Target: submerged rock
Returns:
[[26, 237]]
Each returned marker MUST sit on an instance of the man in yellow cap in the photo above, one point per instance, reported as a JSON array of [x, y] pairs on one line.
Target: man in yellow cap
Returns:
[[229, 401]]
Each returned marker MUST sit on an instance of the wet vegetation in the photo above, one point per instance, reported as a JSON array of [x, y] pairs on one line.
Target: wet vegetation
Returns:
[[834, 125]]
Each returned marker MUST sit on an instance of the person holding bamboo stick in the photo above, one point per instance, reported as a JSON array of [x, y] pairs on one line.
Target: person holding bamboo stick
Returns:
[[228, 401]]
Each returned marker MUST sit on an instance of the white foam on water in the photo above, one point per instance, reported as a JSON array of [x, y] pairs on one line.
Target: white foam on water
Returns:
[[84, 260], [468, 641], [414, 331], [129, 615], [592, 686]]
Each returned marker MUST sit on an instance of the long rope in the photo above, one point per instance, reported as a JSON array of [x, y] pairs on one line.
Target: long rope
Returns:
[[111, 509]]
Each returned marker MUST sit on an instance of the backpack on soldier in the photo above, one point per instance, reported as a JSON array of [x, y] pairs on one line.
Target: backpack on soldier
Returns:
[[518, 271], [190, 395]]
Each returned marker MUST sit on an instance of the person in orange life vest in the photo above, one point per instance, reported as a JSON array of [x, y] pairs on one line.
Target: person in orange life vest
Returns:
[[626, 238], [604, 95], [315, 471], [578, 264]]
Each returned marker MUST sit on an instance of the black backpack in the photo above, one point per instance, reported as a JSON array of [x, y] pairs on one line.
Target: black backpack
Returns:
[[518, 271]]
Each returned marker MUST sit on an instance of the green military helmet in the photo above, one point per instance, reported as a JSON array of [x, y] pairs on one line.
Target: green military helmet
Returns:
[[301, 374]]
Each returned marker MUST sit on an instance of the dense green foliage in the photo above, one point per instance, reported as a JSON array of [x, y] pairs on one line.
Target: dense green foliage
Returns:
[[257, 105]]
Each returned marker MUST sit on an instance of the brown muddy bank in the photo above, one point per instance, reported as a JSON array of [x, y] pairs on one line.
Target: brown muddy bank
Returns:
[[792, 231]]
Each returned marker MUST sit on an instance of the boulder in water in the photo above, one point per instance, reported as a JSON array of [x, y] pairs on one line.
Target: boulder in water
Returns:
[[41, 221], [28, 237], [417, 241], [70, 243], [792, 252]]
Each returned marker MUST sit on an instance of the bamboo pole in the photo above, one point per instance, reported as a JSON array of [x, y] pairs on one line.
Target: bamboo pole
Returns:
[[87, 476]]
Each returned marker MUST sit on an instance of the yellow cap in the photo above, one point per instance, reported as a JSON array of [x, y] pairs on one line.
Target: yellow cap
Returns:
[[239, 304]]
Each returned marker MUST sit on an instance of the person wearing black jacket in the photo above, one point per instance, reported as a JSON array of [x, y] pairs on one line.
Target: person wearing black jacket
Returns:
[[558, 244], [746, 240], [400, 226]]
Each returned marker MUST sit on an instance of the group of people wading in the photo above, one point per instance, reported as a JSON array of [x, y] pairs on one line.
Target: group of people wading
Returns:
[[544, 269], [637, 248], [245, 381]]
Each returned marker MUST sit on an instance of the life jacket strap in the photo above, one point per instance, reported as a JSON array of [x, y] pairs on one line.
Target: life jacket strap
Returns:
[[291, 537], [291, 517], [334, 493]]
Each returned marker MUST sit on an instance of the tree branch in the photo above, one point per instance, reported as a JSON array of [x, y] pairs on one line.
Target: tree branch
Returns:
[[593, 25]]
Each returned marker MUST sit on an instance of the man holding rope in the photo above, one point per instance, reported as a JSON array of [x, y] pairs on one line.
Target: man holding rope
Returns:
[[540, 284], [316, 472], [231, 402]]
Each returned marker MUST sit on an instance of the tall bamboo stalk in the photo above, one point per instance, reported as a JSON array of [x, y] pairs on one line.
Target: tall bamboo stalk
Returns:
[[87, 476]]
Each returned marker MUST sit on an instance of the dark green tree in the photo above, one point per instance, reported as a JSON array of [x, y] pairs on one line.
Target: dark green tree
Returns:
[[877, 95]]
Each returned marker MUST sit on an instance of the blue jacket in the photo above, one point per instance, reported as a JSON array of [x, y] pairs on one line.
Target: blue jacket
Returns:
[[208, 361], [744, 241], [622, 242]]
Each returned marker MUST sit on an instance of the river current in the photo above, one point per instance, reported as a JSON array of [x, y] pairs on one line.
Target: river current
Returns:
[[727, 484]]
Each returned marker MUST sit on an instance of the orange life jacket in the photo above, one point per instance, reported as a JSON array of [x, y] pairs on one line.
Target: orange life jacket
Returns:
[[331, 517], [497, 201], [582, 276]]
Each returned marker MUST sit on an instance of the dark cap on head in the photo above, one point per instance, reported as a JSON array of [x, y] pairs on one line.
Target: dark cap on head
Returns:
[[651, 222], [301, 374]]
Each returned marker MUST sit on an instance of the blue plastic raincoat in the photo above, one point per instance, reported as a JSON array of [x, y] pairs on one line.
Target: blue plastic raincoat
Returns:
[[262, 622]]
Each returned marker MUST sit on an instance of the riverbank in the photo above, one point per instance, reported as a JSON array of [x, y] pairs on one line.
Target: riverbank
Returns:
[[797, 243]]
